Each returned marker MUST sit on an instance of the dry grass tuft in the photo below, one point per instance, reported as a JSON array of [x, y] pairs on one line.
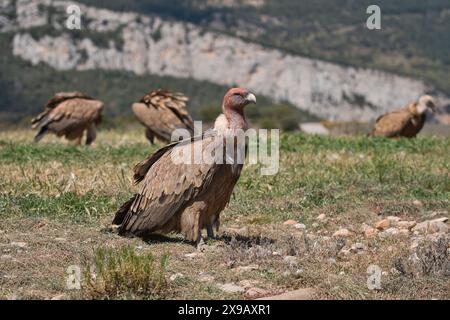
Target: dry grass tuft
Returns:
[[124, 274]]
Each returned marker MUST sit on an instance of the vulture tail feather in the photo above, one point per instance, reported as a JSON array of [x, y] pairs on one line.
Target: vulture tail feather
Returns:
[[40, 134], [123, 210]]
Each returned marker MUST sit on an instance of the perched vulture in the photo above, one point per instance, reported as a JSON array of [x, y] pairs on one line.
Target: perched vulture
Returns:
[[186, 197], [406, 122], [69, 114], [161, 112]]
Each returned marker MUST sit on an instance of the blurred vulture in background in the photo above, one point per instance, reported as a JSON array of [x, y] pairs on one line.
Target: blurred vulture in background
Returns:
[[182, 196], [161, 112], [406, 122], [69, 114]]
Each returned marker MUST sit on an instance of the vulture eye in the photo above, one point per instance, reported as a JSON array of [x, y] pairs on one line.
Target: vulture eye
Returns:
[[236, 94]]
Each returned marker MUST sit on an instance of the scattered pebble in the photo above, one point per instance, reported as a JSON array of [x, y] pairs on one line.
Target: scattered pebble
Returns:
[[321, 217], [300, 294], [231, 288], [205, 277], [193, 255], [432, 226], [357, 247], [290, 222], [247, 268], [256, 292], [406, 224], [370, 232], [342, 233], [19, 244], [388, 233], [290, 260], [176, 276], [418, 203], [383, 224], [247, 284], [300, 226]]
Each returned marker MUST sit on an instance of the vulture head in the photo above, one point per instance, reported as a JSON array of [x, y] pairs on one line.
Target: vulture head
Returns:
[[237, 98], [424, 103], [233, 105]]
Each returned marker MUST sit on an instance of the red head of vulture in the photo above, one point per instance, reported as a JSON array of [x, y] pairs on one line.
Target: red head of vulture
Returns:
[[161, 112], [406, 122], [186, 197], [69, 114]]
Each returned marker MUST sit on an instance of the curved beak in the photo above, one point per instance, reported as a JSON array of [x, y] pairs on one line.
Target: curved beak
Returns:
[[250, 98], [431, 106]]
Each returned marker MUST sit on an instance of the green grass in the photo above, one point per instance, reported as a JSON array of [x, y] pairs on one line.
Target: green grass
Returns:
[[316, 174]]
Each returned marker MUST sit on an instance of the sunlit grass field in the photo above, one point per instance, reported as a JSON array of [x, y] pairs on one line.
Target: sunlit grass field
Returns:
[[75, 190]]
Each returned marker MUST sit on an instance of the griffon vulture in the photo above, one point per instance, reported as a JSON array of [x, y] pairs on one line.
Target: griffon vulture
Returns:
[[161, 112], [406, 122], [186, 197], [69, 114]]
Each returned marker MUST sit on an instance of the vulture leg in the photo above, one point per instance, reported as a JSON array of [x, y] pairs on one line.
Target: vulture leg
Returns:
[[150, 136], [190, 222], [91, 134], [210, 231], [78, 140]]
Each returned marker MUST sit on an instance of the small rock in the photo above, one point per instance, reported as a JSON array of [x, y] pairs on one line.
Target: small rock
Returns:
[[370, 232], [331, 260], [431, 226], [344, 252], [247, 284], [276, 253], [60, 239], [59, 297], [204, 277], [300, 294], [193, 255], [300, 226], [255, 292], [5, 257], [393, 219], [176, 276], [357, 247], [231, 288], [383, 224], [298, 272], [315, 225], [290, 260], [418, 203], [321, 217], [290, 222], [388, 233], [406, 224], [19, 244], [342, 233], [247, 268]]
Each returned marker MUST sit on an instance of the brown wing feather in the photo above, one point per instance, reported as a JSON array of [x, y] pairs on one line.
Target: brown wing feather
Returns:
[[162, 112], [57, 99], [63, 96], [391, 124], [70, 114], [167, 188]]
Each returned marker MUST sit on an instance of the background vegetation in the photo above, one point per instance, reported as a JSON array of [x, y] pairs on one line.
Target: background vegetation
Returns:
[[57, 202]]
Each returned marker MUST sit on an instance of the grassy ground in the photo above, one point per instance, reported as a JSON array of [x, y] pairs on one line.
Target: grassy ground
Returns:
[[57, 201]]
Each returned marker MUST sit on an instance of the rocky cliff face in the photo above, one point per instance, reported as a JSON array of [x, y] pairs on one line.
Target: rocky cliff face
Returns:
[[144, 44]]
